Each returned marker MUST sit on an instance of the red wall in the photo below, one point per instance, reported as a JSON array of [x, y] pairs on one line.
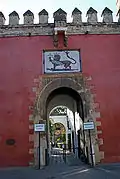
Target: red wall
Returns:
[[21, 62]]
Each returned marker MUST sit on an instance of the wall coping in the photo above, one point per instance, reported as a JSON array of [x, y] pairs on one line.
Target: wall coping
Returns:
[[48, 29]]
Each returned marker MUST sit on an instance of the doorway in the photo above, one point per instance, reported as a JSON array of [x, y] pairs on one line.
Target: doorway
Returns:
[[68, 92], [73, 120]]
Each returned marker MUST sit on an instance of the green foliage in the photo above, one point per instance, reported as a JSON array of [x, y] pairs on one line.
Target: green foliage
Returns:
[[53, 128], [62, 138]]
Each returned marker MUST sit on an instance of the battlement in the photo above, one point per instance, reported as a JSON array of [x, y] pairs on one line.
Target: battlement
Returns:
[[77, 26]]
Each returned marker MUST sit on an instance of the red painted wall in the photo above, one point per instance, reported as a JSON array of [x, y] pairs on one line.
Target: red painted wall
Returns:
[[21, 62]]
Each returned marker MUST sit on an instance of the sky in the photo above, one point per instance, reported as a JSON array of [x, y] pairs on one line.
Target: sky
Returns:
[[21, 6]]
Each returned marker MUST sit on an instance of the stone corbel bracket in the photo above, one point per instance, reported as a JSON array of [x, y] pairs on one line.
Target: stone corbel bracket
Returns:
[[58, 30]]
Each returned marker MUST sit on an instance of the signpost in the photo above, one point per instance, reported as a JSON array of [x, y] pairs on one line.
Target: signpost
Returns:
[[39, 128], [90, 126]]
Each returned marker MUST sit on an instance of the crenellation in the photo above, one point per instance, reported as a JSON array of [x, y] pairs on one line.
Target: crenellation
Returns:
[[107, 16], [2, 19], [28, 17], [77, 16], [43, 17], [77, 26], [92, 16], [14, 18], [118, 14], [60, 18]]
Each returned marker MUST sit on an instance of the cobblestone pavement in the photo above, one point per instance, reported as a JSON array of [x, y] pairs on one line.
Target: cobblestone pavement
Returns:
[[58, 169]]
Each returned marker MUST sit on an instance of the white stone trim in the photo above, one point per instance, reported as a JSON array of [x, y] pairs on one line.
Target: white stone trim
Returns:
[[31, 163], [97, 115], [81, 91], [31, 151], [59, 29], [96, 105], [36, 80], [99, 132], [34, 89], [102, 155], [31, 137], [98, 123], [31, 126], [89, 78], [100, 141], [30, 117]]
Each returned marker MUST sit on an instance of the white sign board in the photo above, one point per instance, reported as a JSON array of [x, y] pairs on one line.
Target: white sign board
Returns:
[[39, 127], [88, 125], [62, 61]]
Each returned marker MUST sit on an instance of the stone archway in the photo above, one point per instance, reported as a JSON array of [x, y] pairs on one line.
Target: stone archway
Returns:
[[76, 83], [58, 83]]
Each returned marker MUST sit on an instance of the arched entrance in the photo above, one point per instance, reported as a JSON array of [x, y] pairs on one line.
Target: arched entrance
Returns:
[[68, 92], [70, 98]]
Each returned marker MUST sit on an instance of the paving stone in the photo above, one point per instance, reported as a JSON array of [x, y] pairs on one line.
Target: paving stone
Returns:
[[61, 170]]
